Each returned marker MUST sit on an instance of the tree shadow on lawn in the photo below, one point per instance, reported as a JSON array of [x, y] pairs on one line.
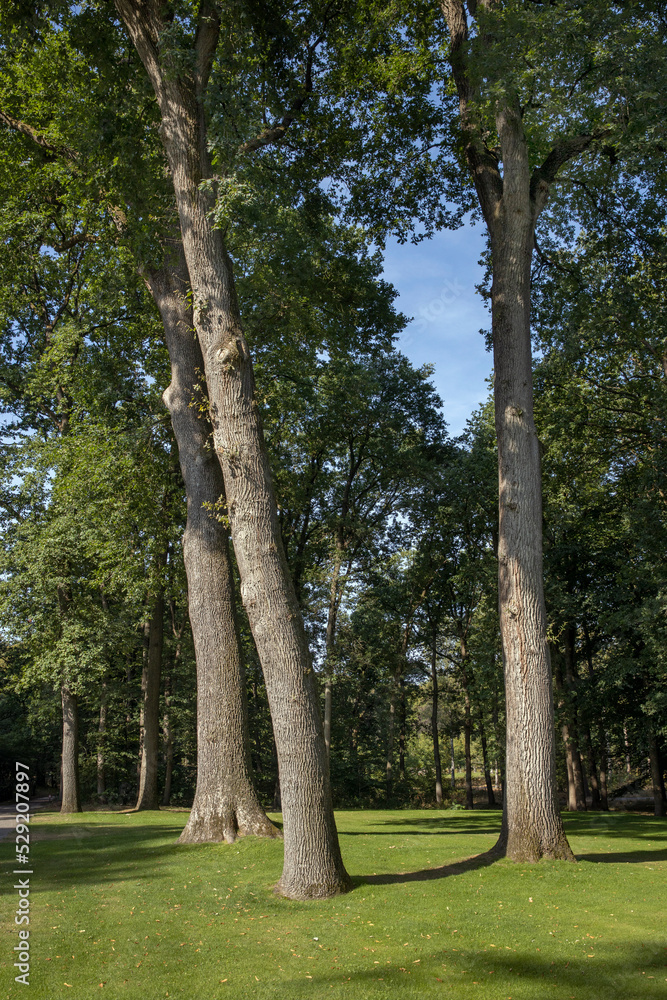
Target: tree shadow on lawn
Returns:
[[105, 854], [615, 824], [430, 874], [449, 823], [610, 976]]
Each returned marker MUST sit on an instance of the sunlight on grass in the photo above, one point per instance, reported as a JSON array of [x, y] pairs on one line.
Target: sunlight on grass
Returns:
[[118, 907]]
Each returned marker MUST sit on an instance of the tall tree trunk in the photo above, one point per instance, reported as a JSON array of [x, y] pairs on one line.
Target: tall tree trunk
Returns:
[[511, 202], [656, 775], [602, 738], [391, 722], [101, 737], [592, 767], [225, 802], [71, 799], [167, 743], [402, 725], [573, 714], [147, 797], [452, 763], [434, 721], [330, 646], [490, 796], [313, 865], [573, 792], [467, 724]]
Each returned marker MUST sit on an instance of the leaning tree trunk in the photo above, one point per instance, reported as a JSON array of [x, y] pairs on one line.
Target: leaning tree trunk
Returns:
[[71, 800], [225, 803], [313, 866], [150, 709]]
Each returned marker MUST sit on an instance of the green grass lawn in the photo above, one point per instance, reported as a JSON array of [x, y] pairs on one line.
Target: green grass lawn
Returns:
[[118, 909]]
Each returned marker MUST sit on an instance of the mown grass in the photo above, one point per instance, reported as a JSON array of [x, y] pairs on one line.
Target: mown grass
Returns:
[[118, 909]]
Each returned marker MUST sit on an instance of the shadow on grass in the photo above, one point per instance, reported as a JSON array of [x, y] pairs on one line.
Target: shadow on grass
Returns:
[[614, 824], [443, 823], [625, 857], [630, 972], [431, 874]]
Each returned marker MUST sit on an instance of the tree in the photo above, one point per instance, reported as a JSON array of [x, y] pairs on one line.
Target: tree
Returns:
[[179, 65]]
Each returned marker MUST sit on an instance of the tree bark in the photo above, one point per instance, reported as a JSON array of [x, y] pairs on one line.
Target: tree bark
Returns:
[[71, 799], [313, 865], [452, 763], [167, 744], [511, 203], [147, 797], [434, 722], [656, 775], [225, 803]]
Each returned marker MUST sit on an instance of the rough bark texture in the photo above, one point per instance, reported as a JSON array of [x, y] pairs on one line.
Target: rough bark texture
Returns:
[[313, 865], [225, 803], [71, 800], [511, 202], [150, 711]]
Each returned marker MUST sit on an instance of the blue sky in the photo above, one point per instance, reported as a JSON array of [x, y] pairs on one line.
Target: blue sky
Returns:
[[436, 284]]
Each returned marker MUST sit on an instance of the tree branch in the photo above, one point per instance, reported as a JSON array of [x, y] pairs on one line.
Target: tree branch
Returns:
[[18, 126]]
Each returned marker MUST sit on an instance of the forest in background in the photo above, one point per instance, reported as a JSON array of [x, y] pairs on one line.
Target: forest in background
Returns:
[[389, 525]]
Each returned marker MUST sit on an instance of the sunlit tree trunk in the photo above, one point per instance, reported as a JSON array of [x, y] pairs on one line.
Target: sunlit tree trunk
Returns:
[[313, 865]]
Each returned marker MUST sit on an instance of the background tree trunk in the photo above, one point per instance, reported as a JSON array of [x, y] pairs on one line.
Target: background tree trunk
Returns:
[[225, 803], [147, 797], [101, 731], [434, 723], [656, 775], [71, 800]]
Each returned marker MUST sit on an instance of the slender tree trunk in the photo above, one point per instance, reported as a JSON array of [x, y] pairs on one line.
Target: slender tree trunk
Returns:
[[389, 765], [628, 765], [313, 865], [592, 767], [452, 763], [167, 743], [101, 735], [434, 722], [656, 775], [490, 796], [71, 800], [571, 681], [604, 801], [150, 691], [225, 803], [467, 724], [403, 718], [467, 731], [330, 647]]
